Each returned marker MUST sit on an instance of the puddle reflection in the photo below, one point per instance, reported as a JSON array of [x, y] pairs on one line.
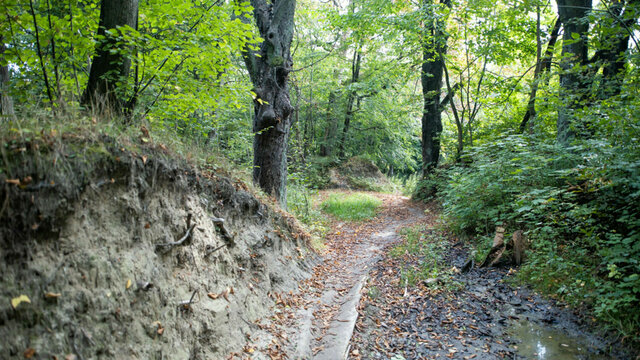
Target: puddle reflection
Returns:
[[542, 343]]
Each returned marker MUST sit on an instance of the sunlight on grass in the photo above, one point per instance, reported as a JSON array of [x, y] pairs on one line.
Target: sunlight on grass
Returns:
[[356, 206]]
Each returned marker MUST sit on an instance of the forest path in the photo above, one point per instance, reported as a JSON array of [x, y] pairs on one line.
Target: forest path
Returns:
[[356, 304], [323, 315]]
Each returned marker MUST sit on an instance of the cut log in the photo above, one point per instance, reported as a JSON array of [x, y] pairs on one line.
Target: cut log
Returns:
[[497, 249]]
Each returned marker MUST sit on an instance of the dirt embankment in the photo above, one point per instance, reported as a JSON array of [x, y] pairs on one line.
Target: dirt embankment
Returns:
[[81, 233], [357, 173]]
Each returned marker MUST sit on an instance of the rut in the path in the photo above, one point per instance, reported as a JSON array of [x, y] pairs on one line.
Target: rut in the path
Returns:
[[323, 316]]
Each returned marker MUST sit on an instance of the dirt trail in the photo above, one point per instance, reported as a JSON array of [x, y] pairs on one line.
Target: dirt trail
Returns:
[[321, 324], [355, 307]]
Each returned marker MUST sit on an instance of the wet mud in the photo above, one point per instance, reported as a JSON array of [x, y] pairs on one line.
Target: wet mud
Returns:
[[472, 315]]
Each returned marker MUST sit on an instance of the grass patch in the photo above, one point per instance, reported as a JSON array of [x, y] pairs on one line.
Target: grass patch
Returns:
[[352, 207], [422, 255]]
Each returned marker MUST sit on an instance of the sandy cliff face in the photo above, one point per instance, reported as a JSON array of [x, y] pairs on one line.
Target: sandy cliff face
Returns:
[[88, 252]]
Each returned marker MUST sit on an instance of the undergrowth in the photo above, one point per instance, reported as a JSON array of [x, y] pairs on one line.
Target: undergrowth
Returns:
[[579, 209], [422, 255], [352, 207]]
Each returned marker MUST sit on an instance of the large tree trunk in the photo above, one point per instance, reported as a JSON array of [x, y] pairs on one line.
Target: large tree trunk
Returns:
[[6, 103], [109, 67], [434, 47], [573, 14], [616, 44], [269, 74]]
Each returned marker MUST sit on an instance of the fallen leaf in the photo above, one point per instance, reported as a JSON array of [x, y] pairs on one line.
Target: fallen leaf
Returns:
[[213, 295], [29, 353], [144, 159], [51, 295], [129, 283], [147, 225], [18, 300]]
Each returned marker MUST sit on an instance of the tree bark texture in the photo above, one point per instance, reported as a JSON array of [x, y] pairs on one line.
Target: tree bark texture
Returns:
[[573, 15], [269, 73], [6, 103], [108, 68], [434, 47]]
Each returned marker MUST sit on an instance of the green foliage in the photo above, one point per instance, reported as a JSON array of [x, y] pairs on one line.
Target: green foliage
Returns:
[[422, 253], [578, 206], [429, 187], [352, 207]]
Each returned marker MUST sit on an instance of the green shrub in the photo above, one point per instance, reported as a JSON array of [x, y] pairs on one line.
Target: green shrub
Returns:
[[579, 208], [357, 206]]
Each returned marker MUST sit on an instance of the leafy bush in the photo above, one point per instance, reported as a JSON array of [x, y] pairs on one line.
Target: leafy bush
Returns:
[[357, 206], [428, 188], [579, 208]]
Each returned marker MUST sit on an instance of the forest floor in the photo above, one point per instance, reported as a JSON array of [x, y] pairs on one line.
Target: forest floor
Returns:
[[359, 303]]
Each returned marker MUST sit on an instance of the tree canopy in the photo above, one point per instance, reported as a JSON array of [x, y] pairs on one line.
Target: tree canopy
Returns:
[[525, 114]]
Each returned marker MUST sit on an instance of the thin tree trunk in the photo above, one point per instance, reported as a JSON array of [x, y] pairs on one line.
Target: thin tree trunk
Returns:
[[351, 97], [108, 68], [456, 116], [53, 52], [543, 65], [308, 133], [330, 132], [42, 65], [269, 73], [73, 65], [6, 103]]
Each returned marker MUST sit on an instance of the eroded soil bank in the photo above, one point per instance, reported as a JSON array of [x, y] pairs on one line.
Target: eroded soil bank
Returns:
[[124, 256]]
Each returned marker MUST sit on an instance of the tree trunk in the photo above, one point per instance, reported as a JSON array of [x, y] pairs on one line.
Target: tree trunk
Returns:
[[109, 68], [309, 134], [543, 65], [434, 47], [330, 132], [617, 44], [351, 97], [269, 74], [6, 103], [573, 15]]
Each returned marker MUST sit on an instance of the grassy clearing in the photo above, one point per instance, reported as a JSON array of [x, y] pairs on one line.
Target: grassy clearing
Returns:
[[422, 255], [352, 207]]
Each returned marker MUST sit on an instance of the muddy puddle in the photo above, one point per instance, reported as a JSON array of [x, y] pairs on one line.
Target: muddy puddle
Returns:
[[535, 341]]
